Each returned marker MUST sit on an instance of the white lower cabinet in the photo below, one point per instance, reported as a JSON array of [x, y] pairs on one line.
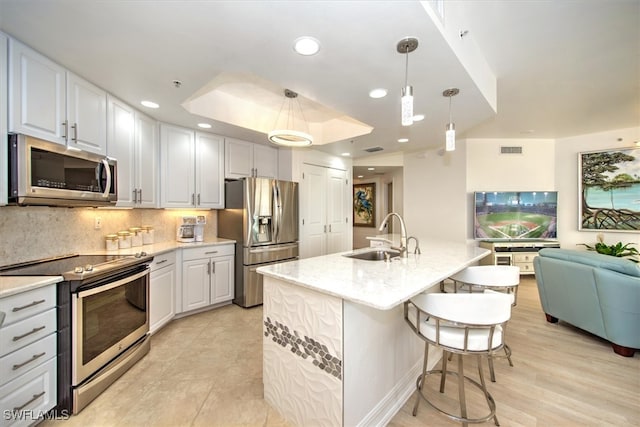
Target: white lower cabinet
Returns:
[[162, 290], [207, 276], [28, 346]]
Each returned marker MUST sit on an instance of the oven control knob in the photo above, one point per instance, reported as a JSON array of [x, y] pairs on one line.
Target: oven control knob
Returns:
[[78, 270], [88, 267]]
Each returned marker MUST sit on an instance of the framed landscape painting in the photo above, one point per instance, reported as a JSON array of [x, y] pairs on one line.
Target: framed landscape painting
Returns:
[[609, 190], [364, 203]]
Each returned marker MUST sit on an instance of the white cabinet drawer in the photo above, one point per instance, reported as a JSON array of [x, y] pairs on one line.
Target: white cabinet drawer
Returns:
[[208, 252], [20, 306], [525, 257], [23, 360], [29, 396], [526, 267], [26, 331], [163, 260]]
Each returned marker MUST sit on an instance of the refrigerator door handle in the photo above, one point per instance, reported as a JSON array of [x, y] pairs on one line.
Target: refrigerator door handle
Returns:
[[276, 211]]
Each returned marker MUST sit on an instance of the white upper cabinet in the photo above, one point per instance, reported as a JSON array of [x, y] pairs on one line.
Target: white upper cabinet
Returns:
[[191, 168], [3, 118], [48, 102], [146, 161], [245, 159], [86, 115], [133, 142], [208, 172]]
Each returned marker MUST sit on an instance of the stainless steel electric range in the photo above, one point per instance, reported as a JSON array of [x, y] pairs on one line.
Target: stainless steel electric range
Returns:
[[103, 319]]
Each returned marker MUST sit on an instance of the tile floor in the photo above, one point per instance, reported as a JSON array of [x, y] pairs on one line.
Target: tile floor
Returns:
[[202, 370]]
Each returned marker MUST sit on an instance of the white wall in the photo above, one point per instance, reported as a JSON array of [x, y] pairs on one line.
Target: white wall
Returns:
[[435, 194], [566, 171]]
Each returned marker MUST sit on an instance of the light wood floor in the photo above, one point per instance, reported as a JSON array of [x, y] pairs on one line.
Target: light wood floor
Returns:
[[206, 370]]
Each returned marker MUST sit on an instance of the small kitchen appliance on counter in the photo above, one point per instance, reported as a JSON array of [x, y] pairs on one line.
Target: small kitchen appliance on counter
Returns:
[[186, 229], [201, 220]]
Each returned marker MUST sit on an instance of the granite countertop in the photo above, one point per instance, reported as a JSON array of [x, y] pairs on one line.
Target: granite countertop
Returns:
[[162, 247], [10, 285], [379, 284]]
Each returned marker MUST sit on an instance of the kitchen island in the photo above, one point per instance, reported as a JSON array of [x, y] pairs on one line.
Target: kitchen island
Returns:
[[336, 348]]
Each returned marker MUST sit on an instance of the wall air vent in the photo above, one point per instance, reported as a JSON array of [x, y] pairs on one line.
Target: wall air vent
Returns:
[[373, 149], [510, 150]]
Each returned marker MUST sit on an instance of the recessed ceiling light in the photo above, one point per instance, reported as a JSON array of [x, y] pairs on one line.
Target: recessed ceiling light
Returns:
[[346, 154], [403, 140], [378, 93], [418, 117], [360, 176], [204, 125], [149, 104], [371, 169], [306, 45]]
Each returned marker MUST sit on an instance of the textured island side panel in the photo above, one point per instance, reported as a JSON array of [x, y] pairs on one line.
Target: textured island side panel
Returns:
[[302, 354]]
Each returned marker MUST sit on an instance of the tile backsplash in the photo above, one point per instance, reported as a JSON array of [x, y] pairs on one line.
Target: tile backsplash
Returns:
[[33, 232]]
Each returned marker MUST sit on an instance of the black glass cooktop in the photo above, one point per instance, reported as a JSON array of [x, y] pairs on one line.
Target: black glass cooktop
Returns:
[[72, 265]]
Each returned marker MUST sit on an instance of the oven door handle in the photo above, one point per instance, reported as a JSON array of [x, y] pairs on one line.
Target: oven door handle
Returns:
[[120, 282]]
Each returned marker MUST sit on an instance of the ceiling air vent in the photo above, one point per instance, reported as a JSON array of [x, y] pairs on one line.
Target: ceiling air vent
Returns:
[[510, 150], [373, 149]]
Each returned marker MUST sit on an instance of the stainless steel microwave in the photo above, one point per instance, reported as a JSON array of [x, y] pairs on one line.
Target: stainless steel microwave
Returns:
[[50, 174]]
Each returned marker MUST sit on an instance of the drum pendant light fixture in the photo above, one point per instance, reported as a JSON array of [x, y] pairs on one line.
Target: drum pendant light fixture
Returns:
[[406, 101], [287, 135], [450, 134]]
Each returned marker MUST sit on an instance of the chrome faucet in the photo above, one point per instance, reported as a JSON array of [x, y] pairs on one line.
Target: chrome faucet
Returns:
[[417, 248], [403, 238]]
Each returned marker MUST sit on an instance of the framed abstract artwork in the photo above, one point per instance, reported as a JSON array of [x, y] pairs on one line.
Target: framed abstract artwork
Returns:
[[609, 193], [364, 205]]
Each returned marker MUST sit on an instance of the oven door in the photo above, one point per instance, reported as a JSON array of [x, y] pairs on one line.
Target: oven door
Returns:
[[107, 319]]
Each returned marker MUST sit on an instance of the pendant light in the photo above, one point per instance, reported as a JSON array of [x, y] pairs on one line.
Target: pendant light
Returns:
[[288, 135], [406, 101], [450, 134]]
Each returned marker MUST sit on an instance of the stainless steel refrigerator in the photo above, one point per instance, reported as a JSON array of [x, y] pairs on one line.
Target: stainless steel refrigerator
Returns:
[[261, 215]]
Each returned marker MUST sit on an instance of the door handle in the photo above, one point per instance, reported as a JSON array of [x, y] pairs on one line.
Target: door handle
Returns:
[[135, 196], [193, 199], [198, 199], [140, 195], [75, 132], [65, 126]]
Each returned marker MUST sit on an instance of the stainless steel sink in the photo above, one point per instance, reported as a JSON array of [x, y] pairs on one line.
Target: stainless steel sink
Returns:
[[377, 255]]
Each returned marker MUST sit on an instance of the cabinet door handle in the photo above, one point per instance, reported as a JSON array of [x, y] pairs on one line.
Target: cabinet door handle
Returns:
[[135, 196], [325, 228], [211, 252], [28, 305], [35, 357], [329, 228], [161, 261], [33, 399], [75, 132], [193, 199], [209, 268], [198, 199], [140, 195], [33, 331], [65, 126], [213, 267]]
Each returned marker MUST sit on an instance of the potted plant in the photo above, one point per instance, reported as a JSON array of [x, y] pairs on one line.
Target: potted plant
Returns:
[[617, 250]]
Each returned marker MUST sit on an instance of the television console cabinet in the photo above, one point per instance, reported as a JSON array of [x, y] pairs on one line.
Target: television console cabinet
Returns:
[[519, 253]]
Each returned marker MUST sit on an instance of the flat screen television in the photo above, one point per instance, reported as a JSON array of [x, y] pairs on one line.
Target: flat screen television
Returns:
[[515, 215]]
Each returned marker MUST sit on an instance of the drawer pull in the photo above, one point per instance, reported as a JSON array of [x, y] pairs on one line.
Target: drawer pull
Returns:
[[35, 357], [33, 331], [161, 261], [28, 305], [33, 399], [211, 252]]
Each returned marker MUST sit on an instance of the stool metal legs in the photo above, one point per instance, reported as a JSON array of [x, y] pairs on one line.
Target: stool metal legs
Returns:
[[463, 418]]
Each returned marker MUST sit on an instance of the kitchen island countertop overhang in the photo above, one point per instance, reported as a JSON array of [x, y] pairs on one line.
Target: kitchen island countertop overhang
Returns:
[[378, 284]]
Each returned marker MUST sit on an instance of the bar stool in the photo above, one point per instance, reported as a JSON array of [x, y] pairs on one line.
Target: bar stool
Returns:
[[490, 278], [464, 324]]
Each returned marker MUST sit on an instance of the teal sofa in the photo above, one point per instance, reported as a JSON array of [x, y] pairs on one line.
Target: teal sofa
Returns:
[[597, 293]]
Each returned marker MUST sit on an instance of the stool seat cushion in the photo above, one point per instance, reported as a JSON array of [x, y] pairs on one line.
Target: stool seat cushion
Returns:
[[489, 275], [453, 336]]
